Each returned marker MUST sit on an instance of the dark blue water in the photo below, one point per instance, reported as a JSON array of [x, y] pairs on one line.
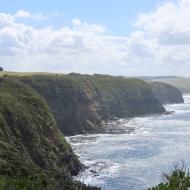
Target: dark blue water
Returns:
[[136, 159]]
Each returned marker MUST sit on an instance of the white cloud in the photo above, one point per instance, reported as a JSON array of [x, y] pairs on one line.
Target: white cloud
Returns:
[[159, 46], [169, 24], [22, 14], [81, 48], [76, 22], [84, 26]]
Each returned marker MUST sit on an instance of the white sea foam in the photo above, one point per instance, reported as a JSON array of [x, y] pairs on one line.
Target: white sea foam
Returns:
[[136, 160]]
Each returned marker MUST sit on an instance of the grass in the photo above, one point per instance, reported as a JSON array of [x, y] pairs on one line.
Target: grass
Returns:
[[11, 73], [180, 82], [32, 149]]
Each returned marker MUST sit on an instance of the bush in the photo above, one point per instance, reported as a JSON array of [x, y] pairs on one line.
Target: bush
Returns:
[[20, 184], [179, 179]]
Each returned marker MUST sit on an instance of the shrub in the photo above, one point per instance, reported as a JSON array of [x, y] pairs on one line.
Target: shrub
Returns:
[[178, 179]]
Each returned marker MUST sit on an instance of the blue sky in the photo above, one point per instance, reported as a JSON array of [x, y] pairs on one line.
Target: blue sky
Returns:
[[116, 15], [118, 37]]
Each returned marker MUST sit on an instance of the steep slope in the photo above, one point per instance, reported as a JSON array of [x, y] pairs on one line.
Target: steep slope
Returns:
[[166, 93], [182, 83], [33, 152], [81, 102]]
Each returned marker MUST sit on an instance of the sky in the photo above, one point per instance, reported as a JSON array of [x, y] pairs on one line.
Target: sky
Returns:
[[118, 37]]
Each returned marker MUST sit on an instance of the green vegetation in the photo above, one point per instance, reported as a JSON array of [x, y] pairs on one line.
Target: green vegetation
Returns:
[[166, 93], [11, 73], [42, 183], [80, 102], [178, 180], [34, 154]]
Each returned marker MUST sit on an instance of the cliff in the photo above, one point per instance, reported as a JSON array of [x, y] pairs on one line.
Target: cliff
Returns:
[[166, 93], [80, 102], [182, 83], [33, 152]]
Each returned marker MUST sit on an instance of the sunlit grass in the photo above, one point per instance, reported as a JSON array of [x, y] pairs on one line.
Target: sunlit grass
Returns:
[[11, 73]]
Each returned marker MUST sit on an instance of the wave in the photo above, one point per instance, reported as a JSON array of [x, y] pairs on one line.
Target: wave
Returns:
[[135, 160]]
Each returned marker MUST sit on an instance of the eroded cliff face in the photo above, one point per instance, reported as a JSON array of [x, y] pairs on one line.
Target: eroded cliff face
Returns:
[[32, 149], [166, 93], [81, 102]]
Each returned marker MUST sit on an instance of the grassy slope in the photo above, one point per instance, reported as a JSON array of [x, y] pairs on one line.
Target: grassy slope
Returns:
[[15, 159], [32, 150], [10, 73], [181, 83]]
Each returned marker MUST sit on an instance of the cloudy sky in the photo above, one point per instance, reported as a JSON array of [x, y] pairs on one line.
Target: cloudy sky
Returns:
[[123, 37]]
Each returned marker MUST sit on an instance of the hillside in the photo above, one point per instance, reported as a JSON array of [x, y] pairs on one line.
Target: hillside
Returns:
[[33, 152], [80, 102], [166, 93], [182, 83]]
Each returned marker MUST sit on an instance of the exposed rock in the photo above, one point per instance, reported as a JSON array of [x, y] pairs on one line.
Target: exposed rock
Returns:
[[81, 102], [166, 93]]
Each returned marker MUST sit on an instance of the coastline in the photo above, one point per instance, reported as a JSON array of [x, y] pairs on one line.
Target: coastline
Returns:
[[141, 146]]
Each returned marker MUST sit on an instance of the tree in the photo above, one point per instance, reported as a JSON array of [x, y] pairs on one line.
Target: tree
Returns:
[[1, 68]]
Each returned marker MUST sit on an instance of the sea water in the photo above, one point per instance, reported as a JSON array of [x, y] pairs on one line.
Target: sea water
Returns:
[[136, 158]]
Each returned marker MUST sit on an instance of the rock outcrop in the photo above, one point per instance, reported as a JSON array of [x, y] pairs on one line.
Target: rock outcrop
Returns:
[[166, 93]]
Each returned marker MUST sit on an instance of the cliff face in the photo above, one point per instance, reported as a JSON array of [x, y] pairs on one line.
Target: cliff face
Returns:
[[166, 93], [32, 149], [81, 102]]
